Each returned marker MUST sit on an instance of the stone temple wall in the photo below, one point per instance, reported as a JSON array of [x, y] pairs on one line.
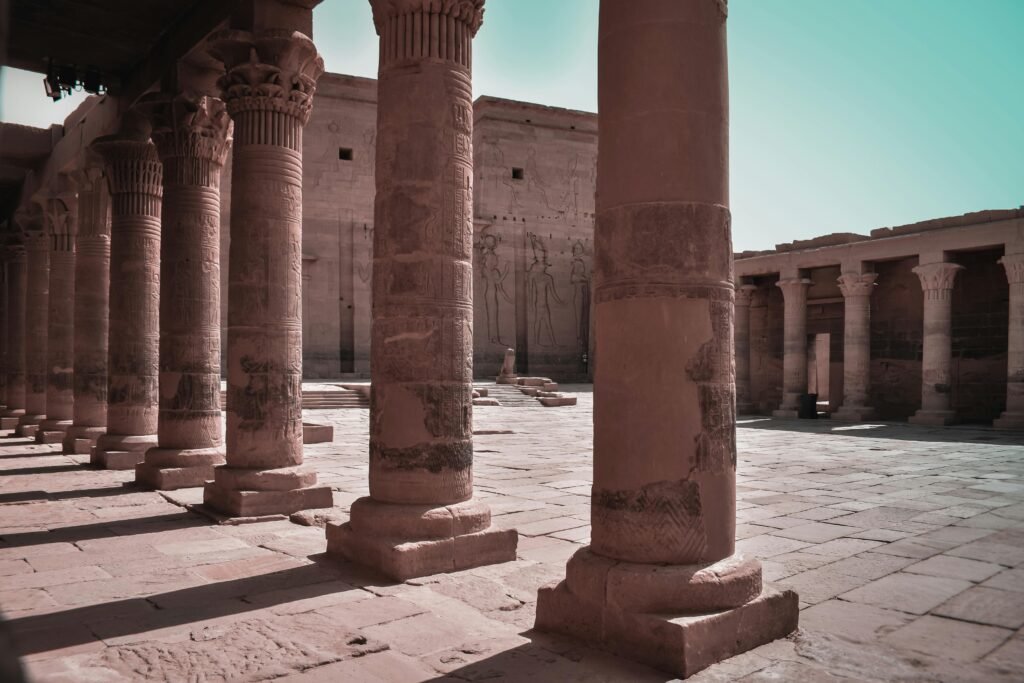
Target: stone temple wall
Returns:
[[533, 234]]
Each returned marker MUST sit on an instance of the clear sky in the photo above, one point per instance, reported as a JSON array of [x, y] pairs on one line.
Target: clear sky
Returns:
[[847, 115]]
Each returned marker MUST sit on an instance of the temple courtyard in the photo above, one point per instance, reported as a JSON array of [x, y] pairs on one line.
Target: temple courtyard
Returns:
[[904, 543]]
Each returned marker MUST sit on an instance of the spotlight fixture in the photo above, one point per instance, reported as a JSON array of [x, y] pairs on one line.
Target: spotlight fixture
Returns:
[[62, 79]]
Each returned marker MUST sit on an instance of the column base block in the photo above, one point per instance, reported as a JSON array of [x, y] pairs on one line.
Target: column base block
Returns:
[[9, 422], [28, 425], [1009, 421], [785, 412], [77, 433], [679, 644], [242, 492], [166, 469], [402, 559], [853, 413], [49, 437], [114, 460], [317, 433], [933, 418]]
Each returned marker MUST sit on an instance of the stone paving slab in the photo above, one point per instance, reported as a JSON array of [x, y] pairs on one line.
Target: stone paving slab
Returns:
[[905, 543]]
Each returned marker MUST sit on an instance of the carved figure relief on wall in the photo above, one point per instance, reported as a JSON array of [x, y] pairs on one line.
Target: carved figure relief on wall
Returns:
[[493, 272], [540, 291], [579, 278]]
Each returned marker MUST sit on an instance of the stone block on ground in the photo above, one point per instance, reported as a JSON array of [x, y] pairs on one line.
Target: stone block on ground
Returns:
[[115, 460], [317, 433]]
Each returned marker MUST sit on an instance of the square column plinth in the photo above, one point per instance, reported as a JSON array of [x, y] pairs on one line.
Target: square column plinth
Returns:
[[240, 492], [678, 619], [408, 541]]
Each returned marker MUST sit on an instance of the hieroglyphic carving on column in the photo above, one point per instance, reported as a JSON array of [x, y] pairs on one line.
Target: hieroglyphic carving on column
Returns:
[[135, 180], [92, 303], [268, 87], [62, 224], [937, 279], [190, 134]]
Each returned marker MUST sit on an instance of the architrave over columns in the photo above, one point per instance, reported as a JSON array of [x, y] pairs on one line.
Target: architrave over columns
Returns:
[[937, 280]]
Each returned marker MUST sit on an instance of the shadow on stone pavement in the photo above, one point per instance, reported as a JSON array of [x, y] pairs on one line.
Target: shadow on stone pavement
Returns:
[[899, 431], [104, 529], [41, 470], [54, 496]]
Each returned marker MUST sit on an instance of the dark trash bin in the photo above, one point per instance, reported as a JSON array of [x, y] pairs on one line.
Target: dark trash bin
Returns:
[[808, 407]]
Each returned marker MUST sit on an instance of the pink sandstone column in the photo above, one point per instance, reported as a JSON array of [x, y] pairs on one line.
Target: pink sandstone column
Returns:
[[92, 310], [190, 133], [5, 274], [134, 176], [663, 504], [268, 88], [60, 345], [936, 366], [1013, 417], [421, 517], [856, 289], [744, 294], [16, 286], [36, 318], [794, 349]]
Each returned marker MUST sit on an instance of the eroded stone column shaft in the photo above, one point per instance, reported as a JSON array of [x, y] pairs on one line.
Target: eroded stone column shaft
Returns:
[[856, 289], [1013, 417], [937, 280], [60, 350], [36, 323], [17, 272], [268, 90], [134, 176], [5, 275], [744, 294], [794, 346], [92, 312], [190, 134]]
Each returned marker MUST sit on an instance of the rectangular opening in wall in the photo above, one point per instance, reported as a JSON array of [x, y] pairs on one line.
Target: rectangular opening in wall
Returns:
[[517, 173], [345, 153]]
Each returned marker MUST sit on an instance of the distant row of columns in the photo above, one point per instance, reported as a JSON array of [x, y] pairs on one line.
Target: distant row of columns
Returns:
[[937, 281]]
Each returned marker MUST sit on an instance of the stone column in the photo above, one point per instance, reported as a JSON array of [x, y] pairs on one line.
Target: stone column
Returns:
[[661, 581], [36, 322], [744, 294], [421, 517], [1013, 416], [937, 359], [268, 89], [190, 133], [92, 310], [4, 280], [60, 346], [134, 177], [856, 289], [794, 348], [15, 367]]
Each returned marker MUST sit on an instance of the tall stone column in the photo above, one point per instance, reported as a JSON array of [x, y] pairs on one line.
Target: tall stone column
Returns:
[[661, 581], [5, 274], [92, 309], [744, 294], [37, 300], [937, 358], [134, 177], [15, 367], [60, 345], [794, 347], [856, 289], [421, 517], [190, 133], [1013, 416], [268, 89]]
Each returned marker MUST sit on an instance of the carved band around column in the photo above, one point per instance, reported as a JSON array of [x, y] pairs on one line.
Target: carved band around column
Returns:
[[427, 29]]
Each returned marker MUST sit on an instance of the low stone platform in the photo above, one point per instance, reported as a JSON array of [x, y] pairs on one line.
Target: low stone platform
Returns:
[[905, 545]]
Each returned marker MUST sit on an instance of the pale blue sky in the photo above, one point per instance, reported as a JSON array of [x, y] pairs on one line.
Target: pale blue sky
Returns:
[[847, 115]]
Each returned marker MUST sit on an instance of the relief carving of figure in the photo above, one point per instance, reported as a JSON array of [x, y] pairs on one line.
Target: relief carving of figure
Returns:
[[541, 290], [493, 274], [579, 278]]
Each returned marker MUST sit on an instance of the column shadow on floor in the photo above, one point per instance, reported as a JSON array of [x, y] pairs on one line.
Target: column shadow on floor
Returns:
[[106, 529], [40, 470], [900, 431], [56, 496], [130, 616]]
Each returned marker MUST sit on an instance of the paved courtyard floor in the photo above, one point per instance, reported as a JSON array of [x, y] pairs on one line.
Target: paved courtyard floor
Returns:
[[906, 546]]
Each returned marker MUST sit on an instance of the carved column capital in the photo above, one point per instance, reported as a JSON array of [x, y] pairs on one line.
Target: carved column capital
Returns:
[[61, 222], [131, 166], [745, 294], [93, 200], [269, 71], [793, 286], [937, 278], [440, 30], [857, 284], [469, 12], [187, 126], [1014, 265], [33, 228]]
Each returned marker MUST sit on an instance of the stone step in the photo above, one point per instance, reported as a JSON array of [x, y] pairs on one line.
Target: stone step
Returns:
[[324, 400]]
